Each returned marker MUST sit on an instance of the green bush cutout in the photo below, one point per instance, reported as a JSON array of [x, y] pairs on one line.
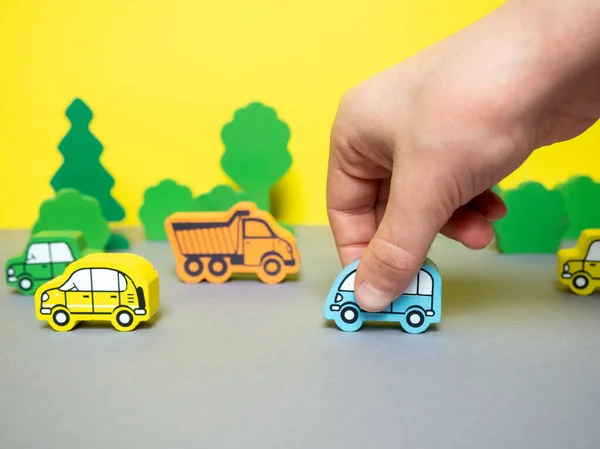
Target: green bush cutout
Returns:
[[536, 221], [582, 200], [72, 211], [117, 242], [169, 197], [161, 201], [220, 198], [256, 153]]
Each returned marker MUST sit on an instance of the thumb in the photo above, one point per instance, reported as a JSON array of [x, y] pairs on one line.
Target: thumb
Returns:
[[414, 215]]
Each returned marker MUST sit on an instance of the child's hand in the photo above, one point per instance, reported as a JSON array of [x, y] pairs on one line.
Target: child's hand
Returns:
[[415, 149]]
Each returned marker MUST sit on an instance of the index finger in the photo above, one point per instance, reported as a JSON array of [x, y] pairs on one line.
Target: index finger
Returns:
[[352, 193]]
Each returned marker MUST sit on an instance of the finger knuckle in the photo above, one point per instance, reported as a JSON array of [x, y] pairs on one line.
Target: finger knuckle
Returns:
[[393, 259]]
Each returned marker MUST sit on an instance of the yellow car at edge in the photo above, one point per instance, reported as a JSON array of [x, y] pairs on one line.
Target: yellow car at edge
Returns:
[[578, 268], [121, 288]]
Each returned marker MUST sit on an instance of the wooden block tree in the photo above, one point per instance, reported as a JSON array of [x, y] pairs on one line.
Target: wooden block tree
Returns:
[[256, 153], [82, 169]]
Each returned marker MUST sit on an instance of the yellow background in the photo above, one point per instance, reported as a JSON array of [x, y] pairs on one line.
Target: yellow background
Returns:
[[162, 78]]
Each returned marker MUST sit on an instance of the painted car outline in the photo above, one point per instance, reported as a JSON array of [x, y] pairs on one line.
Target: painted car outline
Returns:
[[416, 311], [67, 300], [578, 268], [46, 255], [213, 246]]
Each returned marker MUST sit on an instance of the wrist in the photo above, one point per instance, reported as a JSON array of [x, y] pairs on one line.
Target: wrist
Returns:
[[563, 37]]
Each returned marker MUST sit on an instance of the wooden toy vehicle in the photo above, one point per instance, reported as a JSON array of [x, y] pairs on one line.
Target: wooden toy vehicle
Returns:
[[578, 268], [117, 287], [415, 309], [212, 246], [46, 256]]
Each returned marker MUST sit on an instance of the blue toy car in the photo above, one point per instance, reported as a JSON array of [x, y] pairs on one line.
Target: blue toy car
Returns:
[[419, 306]]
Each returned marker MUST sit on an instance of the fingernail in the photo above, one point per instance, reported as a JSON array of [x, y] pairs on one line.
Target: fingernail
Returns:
[[492, 219], [372, 298]]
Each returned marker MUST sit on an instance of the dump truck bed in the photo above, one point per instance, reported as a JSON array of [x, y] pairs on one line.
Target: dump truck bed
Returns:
[[211, 238]]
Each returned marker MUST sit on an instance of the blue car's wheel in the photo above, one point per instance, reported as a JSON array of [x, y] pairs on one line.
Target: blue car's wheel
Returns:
[[414, 321], [350, 318]]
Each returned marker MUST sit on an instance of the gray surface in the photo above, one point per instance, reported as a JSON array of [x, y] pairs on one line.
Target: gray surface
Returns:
[[514, 363]]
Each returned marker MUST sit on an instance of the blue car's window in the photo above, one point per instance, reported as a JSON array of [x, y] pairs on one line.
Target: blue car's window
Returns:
[[347, 284], [412, 288], [422, 284], [425, 283]]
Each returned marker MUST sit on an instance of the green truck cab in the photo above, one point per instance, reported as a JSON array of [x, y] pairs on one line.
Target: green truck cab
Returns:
[[46, 256]]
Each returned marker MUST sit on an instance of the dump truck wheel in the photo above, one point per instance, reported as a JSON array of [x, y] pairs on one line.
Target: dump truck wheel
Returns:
[[193, 266], [271, 270], [219, 270]]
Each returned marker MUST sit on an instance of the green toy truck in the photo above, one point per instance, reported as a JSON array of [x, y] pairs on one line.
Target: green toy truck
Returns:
[[47, 255]]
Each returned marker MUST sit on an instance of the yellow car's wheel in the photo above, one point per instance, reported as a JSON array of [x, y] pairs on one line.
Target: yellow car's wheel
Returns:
[[61, 319], [123, 319], [582, 284]]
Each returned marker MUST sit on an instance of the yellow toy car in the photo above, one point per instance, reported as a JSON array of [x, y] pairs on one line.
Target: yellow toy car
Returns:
[[579, 268], [117, 287]]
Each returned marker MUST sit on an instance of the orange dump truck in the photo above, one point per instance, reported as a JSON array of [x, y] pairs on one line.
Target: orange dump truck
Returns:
[[212, 246]]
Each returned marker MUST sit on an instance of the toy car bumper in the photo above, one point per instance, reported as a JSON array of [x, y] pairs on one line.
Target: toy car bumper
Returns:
[[566, 275], [289, 263], [12, 279]]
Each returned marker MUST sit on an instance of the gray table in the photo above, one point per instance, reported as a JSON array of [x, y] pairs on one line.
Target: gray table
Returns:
[[514, 363]]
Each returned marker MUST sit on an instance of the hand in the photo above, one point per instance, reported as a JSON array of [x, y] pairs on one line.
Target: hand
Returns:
[[416, 148]]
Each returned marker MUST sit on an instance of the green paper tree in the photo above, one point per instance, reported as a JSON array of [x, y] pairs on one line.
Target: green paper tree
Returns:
[[220, 198], [256, 153], [161, 201], [536, 221], [582, 200], [81, 169], [72, 211]]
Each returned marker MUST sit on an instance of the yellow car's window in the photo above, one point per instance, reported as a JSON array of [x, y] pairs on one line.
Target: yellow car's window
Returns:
[[593, 254], [122, 283], [105, 280], [80, 281]]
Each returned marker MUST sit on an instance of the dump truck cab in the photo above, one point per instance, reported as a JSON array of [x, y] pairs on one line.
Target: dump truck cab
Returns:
[[260, 242], [46, 256]]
